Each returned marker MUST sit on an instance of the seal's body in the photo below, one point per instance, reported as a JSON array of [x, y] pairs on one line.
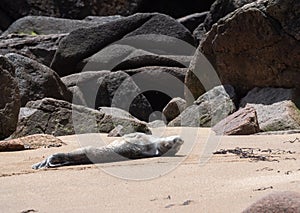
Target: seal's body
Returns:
[[131, 146]]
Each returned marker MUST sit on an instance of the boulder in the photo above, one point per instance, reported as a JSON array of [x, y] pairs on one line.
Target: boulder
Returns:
[[276, 108], [84, 86], [208, 109], [118, 89], [249, 47], [77, 47], [36, 81], [42, 25], [174, 108], [175, 8], [122, 57], [276, 202], [30, 142], [242, 122], [118, 131], [192, 21], [57, 117], [159, 84], [72, 9], [40, 48], [9, 98]]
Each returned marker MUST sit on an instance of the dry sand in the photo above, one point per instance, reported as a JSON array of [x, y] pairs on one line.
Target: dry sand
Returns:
[[225, 183]]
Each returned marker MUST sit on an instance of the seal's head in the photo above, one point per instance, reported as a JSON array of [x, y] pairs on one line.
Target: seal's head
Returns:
[[171, 145]]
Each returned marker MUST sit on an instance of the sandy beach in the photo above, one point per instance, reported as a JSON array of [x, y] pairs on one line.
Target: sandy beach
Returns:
[[189, 182]]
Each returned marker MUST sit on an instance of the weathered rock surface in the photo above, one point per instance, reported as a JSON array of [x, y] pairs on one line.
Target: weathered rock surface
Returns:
[[276, 202], [249, 47], [36, 81], [74, 9], [242, 122], [174, 108], [192, 21], [30, 142], [123, 57], [276, 108], [118, 89], [59, 118], [40, 48], [118, 131], [77, 46], [42, 25], [9, 98], [208, 109], [175, 8]]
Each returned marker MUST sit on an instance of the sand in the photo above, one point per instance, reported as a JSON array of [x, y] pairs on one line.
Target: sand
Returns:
[[189, 182]]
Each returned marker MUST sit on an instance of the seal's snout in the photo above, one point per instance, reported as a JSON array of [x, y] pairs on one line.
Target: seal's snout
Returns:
[[178, 140]]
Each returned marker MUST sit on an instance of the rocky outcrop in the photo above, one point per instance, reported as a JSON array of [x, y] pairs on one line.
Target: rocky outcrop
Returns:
[[276, 202], [9, 98], [42, 25], [249, 47], [74, 9], [208, 109], [56, 117], [76, 47], [277, 108], [242, 122], [36, 81], [40, 48], [174, 108]]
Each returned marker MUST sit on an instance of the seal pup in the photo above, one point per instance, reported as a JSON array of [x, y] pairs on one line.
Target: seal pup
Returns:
[[131, 146]]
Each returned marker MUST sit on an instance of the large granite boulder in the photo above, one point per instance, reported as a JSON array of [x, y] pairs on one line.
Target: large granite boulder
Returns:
[[36, 81], [73, 9], [84, 43], [277, 108], [9, 98], [242, 122], [249, 47], [276, 202], [117, 89], [42, 25], [122, 57], [208, 109], [56, 117], [174, 108], [218, 10], [40, 48]]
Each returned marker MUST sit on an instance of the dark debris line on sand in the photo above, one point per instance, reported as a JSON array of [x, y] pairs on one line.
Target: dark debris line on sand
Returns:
[[254, 154]]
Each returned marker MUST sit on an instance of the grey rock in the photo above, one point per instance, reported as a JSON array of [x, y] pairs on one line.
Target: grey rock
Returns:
[[42, 25], [242, 122], [192, 21], [84, 86], [122, 57], [118, 89], [276, 202], [77, 46], [118, 131], [208, 109], [174, 108], [59, 118], [244, 46], [71, 9], [40, 48], [157, 124], [9, 98], [276, 108], [36, 81]]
